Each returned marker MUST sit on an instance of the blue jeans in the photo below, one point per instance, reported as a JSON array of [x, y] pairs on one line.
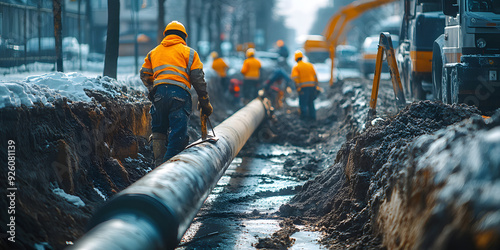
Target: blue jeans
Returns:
[[170, 113], [306, 103]]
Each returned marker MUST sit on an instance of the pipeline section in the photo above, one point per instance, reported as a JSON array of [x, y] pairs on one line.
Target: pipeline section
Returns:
[[156, 211]]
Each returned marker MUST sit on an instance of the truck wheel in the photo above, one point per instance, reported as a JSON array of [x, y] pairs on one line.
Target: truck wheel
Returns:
[[416, 85], [445, 86], [454, 86], [437, 73], [406, 77]]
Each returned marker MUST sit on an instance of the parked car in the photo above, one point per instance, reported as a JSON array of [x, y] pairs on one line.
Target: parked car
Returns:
[[10, 54], [43, 49], [369, 51], [346, 56]]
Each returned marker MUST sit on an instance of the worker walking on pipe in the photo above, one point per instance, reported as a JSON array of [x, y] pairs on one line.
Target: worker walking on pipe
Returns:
[[251, 74], [220, 67], [306, 83], [168, 72]]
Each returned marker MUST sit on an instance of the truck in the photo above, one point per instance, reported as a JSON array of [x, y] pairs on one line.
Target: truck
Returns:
[[422, 23], [316, 49], [466, 56]]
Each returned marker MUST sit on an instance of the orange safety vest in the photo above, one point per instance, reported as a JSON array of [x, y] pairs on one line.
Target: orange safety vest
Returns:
[[220, 66], [171, 62], [251, 68], [304, 75]]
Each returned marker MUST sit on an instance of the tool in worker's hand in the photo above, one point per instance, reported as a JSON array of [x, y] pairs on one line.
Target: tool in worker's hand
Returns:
[[205, 137]]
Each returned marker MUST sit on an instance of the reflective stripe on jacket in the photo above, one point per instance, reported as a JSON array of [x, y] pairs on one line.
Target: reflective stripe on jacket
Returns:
[[251, 68], [220, 66], [171, 62], [304, 75]]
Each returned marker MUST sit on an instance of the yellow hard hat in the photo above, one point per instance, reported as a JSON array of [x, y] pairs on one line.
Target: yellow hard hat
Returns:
[[250, 52], [173, 28], [214, 54], [280, 43], [298, 54]]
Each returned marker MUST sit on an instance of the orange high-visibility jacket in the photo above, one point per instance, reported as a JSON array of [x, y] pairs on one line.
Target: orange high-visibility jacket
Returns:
[[171, 62], [304, 75], [251, 68], [220, 66]]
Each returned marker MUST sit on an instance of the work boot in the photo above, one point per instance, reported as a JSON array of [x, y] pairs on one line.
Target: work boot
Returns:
[[159, 143]]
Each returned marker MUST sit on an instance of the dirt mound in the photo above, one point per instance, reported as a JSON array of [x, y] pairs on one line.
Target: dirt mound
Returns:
[[445, 195], [340, 195], [281, 238]]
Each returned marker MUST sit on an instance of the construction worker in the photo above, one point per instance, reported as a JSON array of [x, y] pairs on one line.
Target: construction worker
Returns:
[[282, 49], [306, 83], [283, 55], [168, 72], [220, 66], [273, 88], [251, 73]]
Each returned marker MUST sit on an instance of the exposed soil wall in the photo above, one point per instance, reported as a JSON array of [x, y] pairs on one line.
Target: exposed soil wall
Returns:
[[77, 147], [345, 199], [84, 151], [444, 192]]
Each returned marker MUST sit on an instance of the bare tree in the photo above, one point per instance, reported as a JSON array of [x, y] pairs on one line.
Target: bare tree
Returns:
[[58, 33], [112, 39], [218, 23], [188, 21], [161, 19], [199, 14]]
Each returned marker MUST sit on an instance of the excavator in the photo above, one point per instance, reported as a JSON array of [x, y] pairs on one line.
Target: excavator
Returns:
[[338, 23]]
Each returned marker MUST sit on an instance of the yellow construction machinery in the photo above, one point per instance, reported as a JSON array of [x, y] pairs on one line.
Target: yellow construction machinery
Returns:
[[333, 32]]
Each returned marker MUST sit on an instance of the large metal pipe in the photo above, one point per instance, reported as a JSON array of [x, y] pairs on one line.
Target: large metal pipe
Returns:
[[156, 211]]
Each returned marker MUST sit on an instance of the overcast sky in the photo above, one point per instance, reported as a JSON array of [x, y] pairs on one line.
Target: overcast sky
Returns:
[[300, 13]]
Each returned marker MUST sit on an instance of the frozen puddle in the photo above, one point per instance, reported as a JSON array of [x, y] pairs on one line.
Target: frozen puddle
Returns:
[[241, 208]]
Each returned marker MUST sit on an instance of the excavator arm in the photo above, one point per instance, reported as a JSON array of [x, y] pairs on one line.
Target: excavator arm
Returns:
[[334, 30]]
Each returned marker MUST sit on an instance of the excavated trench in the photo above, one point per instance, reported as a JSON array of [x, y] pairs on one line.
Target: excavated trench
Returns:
[[396, 182]]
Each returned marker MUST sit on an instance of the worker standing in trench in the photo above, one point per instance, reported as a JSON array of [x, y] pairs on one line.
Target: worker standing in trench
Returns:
[[168, 72], [251, 74], [306, 82]]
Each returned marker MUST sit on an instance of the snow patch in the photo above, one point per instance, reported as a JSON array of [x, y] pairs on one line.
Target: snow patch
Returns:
[[75, 200], [42, 246], [100, 193], [47, 88]]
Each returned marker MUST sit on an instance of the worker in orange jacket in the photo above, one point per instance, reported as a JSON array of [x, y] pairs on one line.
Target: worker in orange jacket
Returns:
[[169, 71], [306, 83], [220, 67], [251, 74]]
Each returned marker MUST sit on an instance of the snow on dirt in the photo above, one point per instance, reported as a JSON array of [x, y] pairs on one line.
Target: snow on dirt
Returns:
[[75, 200], [410, 181], [44, 89]]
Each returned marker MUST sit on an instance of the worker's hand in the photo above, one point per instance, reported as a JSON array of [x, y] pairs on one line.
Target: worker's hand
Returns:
[[150, 88], [289, 90], [205, 106]]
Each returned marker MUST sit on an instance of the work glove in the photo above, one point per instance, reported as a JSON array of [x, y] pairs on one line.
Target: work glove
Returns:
[[205, 106], [151, 92]]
